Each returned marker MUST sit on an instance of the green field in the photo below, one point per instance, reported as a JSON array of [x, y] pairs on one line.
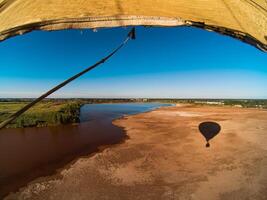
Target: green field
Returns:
[[43, 114]]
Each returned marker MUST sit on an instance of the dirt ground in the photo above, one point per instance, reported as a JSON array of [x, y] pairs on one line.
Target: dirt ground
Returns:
[[165, 158]]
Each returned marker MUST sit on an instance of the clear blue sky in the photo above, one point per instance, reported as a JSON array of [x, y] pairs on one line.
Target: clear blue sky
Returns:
[[162, 62]]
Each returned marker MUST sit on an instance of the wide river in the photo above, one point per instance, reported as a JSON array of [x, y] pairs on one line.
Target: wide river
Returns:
[[28, 153]]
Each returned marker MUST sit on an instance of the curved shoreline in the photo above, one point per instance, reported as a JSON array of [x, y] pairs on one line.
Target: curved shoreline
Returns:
[[169, 155], [53, 170]]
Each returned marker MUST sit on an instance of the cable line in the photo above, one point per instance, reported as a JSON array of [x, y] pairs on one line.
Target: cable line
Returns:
[[131, 35]]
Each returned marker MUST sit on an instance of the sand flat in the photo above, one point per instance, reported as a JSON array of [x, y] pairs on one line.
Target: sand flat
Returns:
[[165, 158]]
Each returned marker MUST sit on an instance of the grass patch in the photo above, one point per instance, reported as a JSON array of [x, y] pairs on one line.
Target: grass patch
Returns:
[[43, 114]]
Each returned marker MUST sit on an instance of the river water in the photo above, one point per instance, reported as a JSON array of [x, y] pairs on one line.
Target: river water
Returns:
[[28, 153]]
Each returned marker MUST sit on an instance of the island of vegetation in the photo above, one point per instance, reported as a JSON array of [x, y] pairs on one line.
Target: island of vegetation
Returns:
[[46, 113]]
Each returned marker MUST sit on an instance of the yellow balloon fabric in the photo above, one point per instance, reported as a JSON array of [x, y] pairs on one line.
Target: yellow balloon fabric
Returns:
[[245, 20]]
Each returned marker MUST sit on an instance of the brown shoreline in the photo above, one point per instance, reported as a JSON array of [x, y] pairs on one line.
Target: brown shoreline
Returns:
[[66, 164], [167, 159], [51, 170]]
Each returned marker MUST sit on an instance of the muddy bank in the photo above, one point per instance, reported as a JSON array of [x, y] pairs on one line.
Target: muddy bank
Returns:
[[29, 153], [166, 158]]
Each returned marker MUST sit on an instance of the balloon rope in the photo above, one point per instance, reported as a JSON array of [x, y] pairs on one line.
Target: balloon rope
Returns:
[[131, 35]]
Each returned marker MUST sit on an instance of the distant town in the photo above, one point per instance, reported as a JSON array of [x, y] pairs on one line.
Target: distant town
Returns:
[[242, 103]]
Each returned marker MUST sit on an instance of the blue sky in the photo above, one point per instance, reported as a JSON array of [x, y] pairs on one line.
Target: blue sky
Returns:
[[163, 62]]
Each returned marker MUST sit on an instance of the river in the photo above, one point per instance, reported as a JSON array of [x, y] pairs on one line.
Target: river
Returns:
[[28, 153]]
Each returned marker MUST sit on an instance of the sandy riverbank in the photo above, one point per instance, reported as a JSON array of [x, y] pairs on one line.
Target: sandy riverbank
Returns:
[[165, 158]]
